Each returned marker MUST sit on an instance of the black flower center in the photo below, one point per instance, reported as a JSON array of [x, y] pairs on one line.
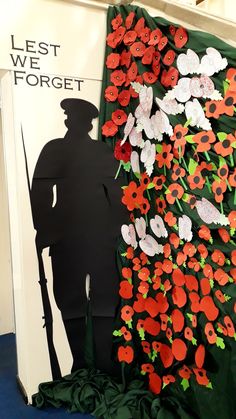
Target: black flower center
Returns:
[[178, 135], [223, 171], [225, 143], [164, 155], [212, 107], [229, 101], [218, 191], [204, 138], [196, 179], [174, 193]]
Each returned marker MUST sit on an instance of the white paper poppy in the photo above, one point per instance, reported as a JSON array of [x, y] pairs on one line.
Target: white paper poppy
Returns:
[[150, 246], [185, 228], [128, 127], [188, 63], [195, 113], [146, 99], [158, 227], [212, 62], [170, 106], [182, 89], [148, 153], [134, 161], [161, 124], [209, 213], [129, 235], [135, 138], [140, 225]]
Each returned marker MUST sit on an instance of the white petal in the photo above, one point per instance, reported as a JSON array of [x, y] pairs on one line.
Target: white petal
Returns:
[[140, 225], [150, 246], [185, 228], [135, 137], [182, 90], [134, 160], [136, 86], [170, 106], [158, 226], [129, 235], [216, 95], [128, 127]]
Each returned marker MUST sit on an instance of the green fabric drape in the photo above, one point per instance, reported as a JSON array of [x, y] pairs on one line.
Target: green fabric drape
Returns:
[[105, 397]]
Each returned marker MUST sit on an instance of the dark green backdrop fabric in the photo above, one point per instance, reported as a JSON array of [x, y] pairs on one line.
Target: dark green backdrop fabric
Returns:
[[93, 392]]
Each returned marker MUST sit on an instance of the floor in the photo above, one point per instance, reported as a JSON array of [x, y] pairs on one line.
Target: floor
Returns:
[[12, 405]]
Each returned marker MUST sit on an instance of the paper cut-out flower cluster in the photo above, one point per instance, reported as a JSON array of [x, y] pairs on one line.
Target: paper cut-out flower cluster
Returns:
[[179, 253]]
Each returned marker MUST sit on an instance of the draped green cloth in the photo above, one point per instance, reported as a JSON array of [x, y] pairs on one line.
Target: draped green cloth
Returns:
[[91, 391]]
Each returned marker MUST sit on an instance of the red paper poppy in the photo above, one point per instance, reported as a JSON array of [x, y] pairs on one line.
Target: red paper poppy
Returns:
[[169, 57], [233, 257], [124, 98], [151, 326], [188, 333], [225, 148], [151, 306], [156, 346], [229, 326], [109, 129], [205, 286], [175, 191], [118, 77], [204, 139], [209, 308], [130, 252], [126, 290], [156, 68], [174, 240], [167, 248], [177, 172], [179, 135], [231, 77], [161, 205], [162, 302], [218, 257], [192, 201], [139, 305], [144, 274], [202, 250], [165, 157], [181, 258], [178, 277], [145, 35], [146, 347], [167, 266], [156, 57], [223, 172], [185, 372], [179, 349], [177, 318], [111, 93], [180, 37], [226, 106], [219, 187], [166, 355], [220, 296], [129, 20], [196, 181], [127, 313], [155, 37], [116, 22], [119, 117], [126, 334], [155, 383], [113, 60], [132, 72], [143, 287], [189, 249], [194, 320], [119, 35], [232, 179], [149, 77], [204, 233], [162, 43], [144, 206], [148, 55], [172, 29], [130, 37], [125, 58], [158, 271], [137, 49], [194, 264], [125, 354], [164, 321], [133, 196], [170, 219], [167, 379], [126, 273], [144, 258], [111, 40], [201, 376], [170, 78], [191, 282], [179, 296], [221, 277], [232, 219], [149, 368], [212, 109], [222, 328], [139, 25]]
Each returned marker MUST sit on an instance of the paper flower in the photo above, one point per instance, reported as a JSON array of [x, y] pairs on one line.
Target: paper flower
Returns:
[[195, 113], [140, 225], [158, 226], [146, 99], [188, 63], [129, 235], [161, 125], [150, 246], [148, 155], [202, 87], [134, 160], [209, 213], [212, 62], [135, 138], [185, 228], [170, 106], [122, 152], [182, 89], [128, 127]]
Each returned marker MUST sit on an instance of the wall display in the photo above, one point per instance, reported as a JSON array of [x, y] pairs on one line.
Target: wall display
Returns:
[[168, 110]]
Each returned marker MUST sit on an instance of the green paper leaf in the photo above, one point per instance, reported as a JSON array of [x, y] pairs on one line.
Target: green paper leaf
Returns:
[[216, 178], [212, 283], [235, 336], [185, 197], [225, 86], [187, 123], [192, 166], [222, 161], [154, 356], [137, 175], [124, 187], [189, 139], [129, 324], [194, 341], [164, 385], [151, 185], [159, 148], [190, 316], [124, 254], [227, 297], [221, 136], [220, 342], [117, 333], [126, 166], [185, 384], [209, 385], [141, 333], [167, 191]]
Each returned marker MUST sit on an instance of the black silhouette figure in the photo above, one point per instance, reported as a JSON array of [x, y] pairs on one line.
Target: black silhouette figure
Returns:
[[77, 214]]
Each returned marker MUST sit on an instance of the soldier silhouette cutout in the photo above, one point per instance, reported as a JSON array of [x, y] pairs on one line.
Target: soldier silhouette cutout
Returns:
[[77, 212]]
